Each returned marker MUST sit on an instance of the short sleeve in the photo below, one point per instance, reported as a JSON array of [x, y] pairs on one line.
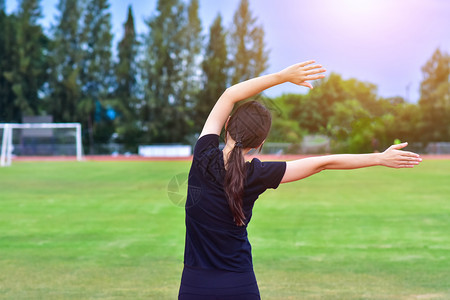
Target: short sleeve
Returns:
[[206, 143], [269, 173]]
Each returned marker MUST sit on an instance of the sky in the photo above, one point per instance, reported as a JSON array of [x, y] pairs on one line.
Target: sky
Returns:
[[384, 42]]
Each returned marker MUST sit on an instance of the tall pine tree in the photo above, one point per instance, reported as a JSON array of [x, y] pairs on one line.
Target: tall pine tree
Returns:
[[215, 72], [66, 55], [191, 57], [126, 68], [29, 60], [163, 114], [96, 72], [126, 102], [8, 111], [249, 56]]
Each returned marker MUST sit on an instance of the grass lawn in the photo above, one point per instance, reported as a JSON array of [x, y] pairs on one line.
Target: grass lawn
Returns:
[[108, 230]]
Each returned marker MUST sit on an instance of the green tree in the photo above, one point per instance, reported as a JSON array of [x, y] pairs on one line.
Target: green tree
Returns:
[[66, 56], [164, 114], [288, 121], [334, 89], [407, 123], [352, 127], [285, 122], [96, 73], [435, 98], [349, 111], [29, 72], [191, 58], [215, 72], [126, 102], [8, 111], [249, 56]]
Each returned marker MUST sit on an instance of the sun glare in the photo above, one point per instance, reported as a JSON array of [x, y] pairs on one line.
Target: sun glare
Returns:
[[355, 10], [357, 18], [355, 7]]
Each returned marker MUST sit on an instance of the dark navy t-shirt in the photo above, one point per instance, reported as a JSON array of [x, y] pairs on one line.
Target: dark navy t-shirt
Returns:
[[213, 241]]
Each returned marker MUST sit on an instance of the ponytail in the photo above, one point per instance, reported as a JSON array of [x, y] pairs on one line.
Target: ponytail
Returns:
[[234, 183], [248, 126]]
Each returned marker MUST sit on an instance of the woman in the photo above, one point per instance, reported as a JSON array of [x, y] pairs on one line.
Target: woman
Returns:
[[222, 187]]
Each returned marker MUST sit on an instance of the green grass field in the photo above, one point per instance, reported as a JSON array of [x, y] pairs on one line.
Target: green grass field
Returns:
[[107, 230]]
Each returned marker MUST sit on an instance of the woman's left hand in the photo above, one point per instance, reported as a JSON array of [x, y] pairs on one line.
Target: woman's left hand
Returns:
[[393, 157]]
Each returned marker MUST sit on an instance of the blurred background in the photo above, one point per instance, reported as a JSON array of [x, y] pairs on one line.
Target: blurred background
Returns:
[[148, 72]]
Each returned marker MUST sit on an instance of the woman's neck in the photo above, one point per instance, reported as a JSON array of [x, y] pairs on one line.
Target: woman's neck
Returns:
[[229, 145]]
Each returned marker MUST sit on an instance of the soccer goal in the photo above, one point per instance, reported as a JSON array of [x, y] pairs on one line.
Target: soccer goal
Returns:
[[39, 140]]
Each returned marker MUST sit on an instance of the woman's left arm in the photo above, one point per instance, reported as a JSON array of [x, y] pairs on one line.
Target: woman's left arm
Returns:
[[393, 157]]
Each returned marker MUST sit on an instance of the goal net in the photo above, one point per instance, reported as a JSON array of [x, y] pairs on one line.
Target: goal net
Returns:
[[39, 140]]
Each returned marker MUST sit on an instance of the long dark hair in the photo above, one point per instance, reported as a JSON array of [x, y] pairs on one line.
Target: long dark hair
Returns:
[[248, 127]]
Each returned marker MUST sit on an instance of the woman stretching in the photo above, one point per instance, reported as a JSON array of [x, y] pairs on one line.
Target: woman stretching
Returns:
[[222, 187]]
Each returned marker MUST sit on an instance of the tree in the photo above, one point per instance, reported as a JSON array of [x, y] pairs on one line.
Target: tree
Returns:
[[215, 72], [29, 72], [66, 56], [8, 111], [349, 111], [352, 127], [96, 75], [317, 108], [164, 113], [190, 56], [126, 102], [435, 98], [249, 56], [286, 126], [333, 90], [408, 123]]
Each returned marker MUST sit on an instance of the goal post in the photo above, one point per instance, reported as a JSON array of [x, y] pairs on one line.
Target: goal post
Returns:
[[35, 129]]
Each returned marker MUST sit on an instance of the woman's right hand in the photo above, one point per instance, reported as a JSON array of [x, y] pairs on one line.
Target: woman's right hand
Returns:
[[301, 73]]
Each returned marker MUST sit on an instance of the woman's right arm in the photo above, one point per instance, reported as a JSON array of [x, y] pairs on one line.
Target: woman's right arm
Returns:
[[393, 157], [298, 74]]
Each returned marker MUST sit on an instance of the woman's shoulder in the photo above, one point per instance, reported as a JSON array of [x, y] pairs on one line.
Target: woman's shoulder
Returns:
[[208, 158], [206, 142]]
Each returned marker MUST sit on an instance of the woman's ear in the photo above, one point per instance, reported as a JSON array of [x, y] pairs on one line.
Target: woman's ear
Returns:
[[260, 146], [226, 123]]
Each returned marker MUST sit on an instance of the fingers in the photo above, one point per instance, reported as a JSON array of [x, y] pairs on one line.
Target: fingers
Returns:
[[315, 77], [305, 63], [408, 160], [307, 84], [410, 154], [399, 146], [412, 161], [311, 67], [315, 71], [405, 166]]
